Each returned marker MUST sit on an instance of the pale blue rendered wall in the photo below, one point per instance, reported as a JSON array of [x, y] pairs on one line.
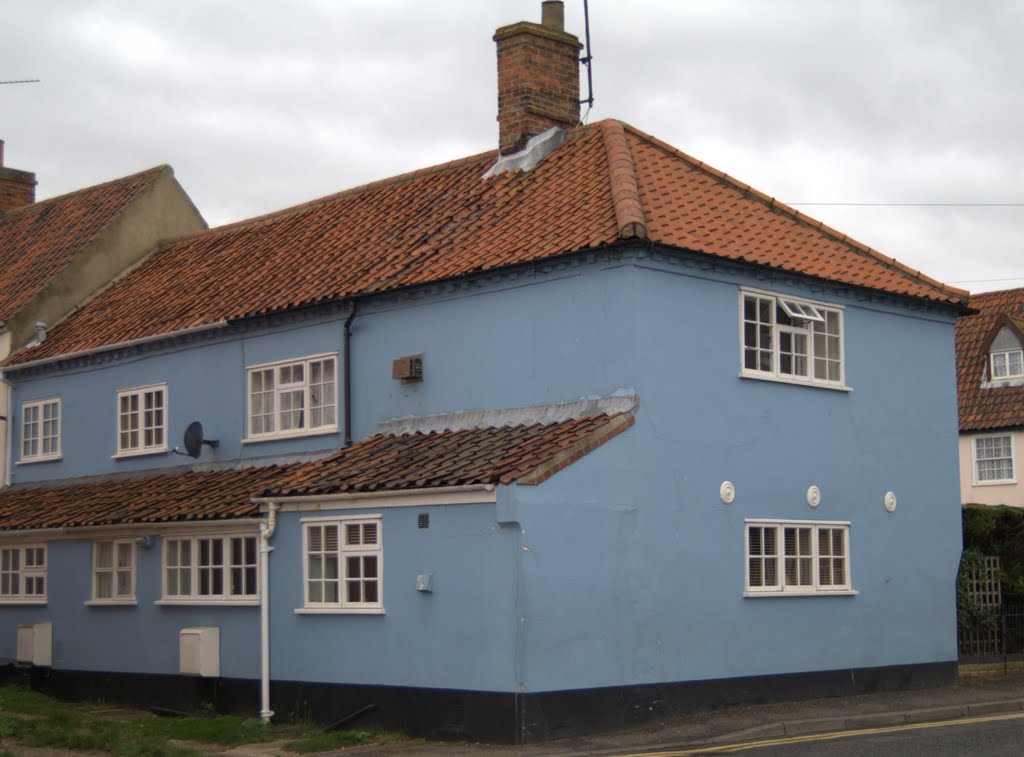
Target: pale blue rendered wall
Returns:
[[633, 568]]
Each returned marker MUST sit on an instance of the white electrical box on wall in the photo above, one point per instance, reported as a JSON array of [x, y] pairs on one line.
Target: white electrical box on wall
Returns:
[[199, 652], [35, 644]]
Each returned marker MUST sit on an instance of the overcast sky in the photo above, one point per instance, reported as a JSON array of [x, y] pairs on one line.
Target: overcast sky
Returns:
[[262, 104]]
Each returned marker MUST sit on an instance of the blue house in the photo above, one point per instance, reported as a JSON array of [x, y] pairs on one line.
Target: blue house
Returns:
[[563, 436]]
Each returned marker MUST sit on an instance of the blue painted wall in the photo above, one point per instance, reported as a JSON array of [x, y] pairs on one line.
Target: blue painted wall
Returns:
[[625, 567]]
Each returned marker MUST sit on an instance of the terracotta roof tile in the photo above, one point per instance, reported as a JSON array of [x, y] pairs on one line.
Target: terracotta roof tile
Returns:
[[37, 241], [993, 407], [608, 181], [527, 454], [492, 455], [177, 496]]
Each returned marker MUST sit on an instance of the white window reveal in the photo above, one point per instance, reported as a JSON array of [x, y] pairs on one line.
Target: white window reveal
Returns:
[[343, 560], [142, 420], [23, 573], [791, 340], [113, 571], [1007, 364], [293, 398], [993, 459], [210, 568], [40, 430], [797, 557]]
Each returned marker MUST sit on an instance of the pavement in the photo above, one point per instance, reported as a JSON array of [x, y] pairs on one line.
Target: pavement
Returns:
[[735, 724]]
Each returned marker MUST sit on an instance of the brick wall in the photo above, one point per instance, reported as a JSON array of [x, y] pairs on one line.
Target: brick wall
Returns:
[[17, 188]]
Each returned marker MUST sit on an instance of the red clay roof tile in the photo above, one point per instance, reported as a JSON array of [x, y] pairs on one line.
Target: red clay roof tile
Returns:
[[37, 241], [993, 407], [606, 182], [528, 454]]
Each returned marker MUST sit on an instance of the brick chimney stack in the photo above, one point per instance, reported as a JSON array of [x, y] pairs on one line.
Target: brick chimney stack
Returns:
[[17, 188], [538, 77]]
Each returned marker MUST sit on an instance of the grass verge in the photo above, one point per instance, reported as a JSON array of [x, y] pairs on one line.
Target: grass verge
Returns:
[[35, 720]]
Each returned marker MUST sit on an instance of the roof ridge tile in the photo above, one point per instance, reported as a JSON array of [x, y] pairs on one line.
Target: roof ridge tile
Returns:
[[629, 212]]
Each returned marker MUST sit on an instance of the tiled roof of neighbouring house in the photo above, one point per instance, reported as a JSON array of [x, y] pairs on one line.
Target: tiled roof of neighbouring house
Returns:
[[38, 240], [988, 407], [606, 183], [502, 455]]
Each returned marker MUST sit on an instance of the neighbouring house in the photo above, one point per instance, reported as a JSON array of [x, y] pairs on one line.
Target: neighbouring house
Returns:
[[563, 436], [56, 253], [990, 380]]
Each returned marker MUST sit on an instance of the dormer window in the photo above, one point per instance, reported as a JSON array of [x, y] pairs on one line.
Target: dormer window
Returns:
[[1006, 364]]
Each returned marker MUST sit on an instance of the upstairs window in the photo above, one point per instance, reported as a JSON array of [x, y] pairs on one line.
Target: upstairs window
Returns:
[[343, 560], [1006, 364], [786, 339], [293, 398], [23, 573], [142, 420], [40, 430], [993, 459], [797, 557]]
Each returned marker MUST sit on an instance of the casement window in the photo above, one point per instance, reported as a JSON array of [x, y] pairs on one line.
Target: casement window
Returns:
[[40, 430], [211, 568], [342, 560], [786, 339], [142, 420], [293, 398], [113, 571], [23, 573], [993, 459], [1006, 364], [797, 557]]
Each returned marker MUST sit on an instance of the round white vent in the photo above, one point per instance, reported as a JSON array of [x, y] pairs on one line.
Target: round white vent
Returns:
[[727, 492], [813, 495], [890, 501]]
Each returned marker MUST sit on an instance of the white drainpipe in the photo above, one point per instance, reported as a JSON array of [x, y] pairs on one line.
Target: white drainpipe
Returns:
[[266, 533]]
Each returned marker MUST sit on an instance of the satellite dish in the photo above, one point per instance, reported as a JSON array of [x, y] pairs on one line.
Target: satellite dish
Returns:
[[194, 440]]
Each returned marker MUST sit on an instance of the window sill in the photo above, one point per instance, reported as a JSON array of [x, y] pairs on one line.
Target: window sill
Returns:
[[47, 459], [15, 601], [338, 611], [779, 594], [255, 602], [1000, 482], [324, 431], [140, 453], [794, 381], [111, 603]]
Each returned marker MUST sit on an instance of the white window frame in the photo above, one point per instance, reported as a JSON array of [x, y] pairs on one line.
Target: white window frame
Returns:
[[112, 571], [975, 460], [40, 437], [142, 425], [808, 330], [1003, 357], [229, 569], [342, 554], [818, 585], [14, 566], [278, 390]]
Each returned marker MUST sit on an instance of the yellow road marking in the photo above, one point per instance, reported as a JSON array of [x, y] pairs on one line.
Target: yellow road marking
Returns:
[[743, 746]]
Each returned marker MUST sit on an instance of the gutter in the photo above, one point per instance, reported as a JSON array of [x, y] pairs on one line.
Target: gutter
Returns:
[[119, 345], [274, 502], [267, 529]]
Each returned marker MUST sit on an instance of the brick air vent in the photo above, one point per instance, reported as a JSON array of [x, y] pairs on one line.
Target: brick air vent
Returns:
[[408, 369]]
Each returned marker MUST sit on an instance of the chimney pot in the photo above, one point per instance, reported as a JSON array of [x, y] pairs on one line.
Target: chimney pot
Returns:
[[552, 14]]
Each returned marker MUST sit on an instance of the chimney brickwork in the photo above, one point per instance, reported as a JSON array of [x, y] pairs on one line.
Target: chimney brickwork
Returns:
[[538, 78], [17, 188]]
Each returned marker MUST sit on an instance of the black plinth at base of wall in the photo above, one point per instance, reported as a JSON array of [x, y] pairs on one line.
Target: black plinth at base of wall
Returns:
[[479, 716]]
